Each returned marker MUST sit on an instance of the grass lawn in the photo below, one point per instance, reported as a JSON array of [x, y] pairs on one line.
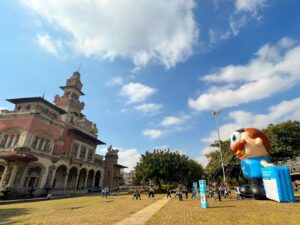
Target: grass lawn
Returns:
[[229, 211], [80, 210]]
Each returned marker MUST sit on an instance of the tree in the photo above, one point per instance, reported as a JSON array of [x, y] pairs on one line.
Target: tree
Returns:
[[285, 139], [165, 166], [214, 168]]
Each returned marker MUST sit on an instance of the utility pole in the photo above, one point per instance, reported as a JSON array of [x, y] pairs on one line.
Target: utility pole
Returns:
[[215, 113]]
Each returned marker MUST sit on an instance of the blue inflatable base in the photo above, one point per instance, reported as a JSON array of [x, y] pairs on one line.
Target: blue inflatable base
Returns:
[[278, 184]]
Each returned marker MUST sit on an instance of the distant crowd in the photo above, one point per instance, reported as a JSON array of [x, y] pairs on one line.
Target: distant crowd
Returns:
[[216, 190]]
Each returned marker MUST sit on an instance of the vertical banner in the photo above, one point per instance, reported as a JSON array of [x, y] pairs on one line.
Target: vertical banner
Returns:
[[202, 184], [195, 186]]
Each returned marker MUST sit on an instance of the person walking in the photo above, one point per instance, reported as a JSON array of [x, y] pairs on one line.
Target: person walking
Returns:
[[103, 192], [218, 190], [180, 194], [169, 191], [238, 193], [177, 192], [186, 191], [151, 192], [137, 194], [227, 192], [106, 192]]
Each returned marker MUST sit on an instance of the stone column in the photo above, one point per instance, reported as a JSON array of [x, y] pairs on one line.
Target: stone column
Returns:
[[65, 181], [23, 176], [85, 181], [76, 182], [13, 175], [94, 178], [2, 183], [50, 177]]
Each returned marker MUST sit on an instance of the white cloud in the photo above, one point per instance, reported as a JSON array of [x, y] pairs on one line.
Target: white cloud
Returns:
[[136, 92], [174, 120], [49, 45], [163, 31], [249, 5], [2, 108], [129, 158], [115, 81], [245, 11], [152, 133], [149, 108], [202, 158], [273, 69], [235, 25], [285, 110]]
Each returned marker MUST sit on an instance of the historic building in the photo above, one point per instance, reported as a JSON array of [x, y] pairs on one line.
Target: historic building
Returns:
[[52, 146]]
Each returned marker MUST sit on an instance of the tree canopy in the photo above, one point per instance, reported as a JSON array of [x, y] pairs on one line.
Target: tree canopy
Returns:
[[165, 166], [285, 139]]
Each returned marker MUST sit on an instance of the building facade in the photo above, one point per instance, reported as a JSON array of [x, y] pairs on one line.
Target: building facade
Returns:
[[294, 166], [45, 146], [128, 178]]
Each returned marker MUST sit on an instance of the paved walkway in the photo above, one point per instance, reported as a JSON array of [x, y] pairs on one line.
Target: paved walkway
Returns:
[[140, 217]]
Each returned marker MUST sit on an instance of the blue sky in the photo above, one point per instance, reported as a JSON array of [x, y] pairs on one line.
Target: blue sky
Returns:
[[154, 70]]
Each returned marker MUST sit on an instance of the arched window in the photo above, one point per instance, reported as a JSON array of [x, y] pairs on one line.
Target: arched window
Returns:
[[10, 138]]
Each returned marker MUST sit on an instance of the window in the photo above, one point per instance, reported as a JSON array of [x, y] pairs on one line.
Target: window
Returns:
[[82, 152], [34, 143], [16, 140], [47, 146], [41, 144], [3, 141], [9, 140], [75, 147], [90, 155]]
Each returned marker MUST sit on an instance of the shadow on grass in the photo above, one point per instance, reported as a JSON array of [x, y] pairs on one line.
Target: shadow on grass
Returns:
[[7, 214], [225, 206]]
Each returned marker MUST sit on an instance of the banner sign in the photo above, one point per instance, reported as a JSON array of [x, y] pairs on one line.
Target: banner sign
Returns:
[[278, 184], [195, 186], [202, 184]]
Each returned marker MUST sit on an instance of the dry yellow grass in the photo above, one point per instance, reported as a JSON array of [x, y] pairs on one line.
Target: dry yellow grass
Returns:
[[80, 210], [227, 212]]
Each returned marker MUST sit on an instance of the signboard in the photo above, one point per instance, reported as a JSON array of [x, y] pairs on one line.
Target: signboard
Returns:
[[278, 184], [195, 186], [202, 184]]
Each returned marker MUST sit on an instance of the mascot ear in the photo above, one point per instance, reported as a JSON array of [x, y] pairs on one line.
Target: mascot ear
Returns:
[[258, 141]]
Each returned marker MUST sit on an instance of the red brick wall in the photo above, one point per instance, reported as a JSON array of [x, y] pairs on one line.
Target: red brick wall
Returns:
[[23, 123]]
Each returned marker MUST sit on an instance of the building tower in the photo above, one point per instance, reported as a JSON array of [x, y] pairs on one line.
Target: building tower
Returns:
[[72, 91]]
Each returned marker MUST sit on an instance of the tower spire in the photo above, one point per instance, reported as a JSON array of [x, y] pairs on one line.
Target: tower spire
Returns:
[[70, 101]]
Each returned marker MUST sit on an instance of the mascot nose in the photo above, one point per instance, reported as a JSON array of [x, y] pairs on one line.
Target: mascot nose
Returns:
[[240, 145]]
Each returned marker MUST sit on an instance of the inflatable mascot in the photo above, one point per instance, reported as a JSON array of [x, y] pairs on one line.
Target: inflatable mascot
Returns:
[[268, 181]]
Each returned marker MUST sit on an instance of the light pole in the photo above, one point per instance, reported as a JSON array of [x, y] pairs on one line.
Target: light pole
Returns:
[[215, 113]]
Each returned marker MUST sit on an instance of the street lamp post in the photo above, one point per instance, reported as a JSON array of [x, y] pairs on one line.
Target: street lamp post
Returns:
[[215, 113]]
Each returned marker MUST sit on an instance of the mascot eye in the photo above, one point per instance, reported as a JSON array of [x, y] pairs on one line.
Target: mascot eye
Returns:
[[235, 137]]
